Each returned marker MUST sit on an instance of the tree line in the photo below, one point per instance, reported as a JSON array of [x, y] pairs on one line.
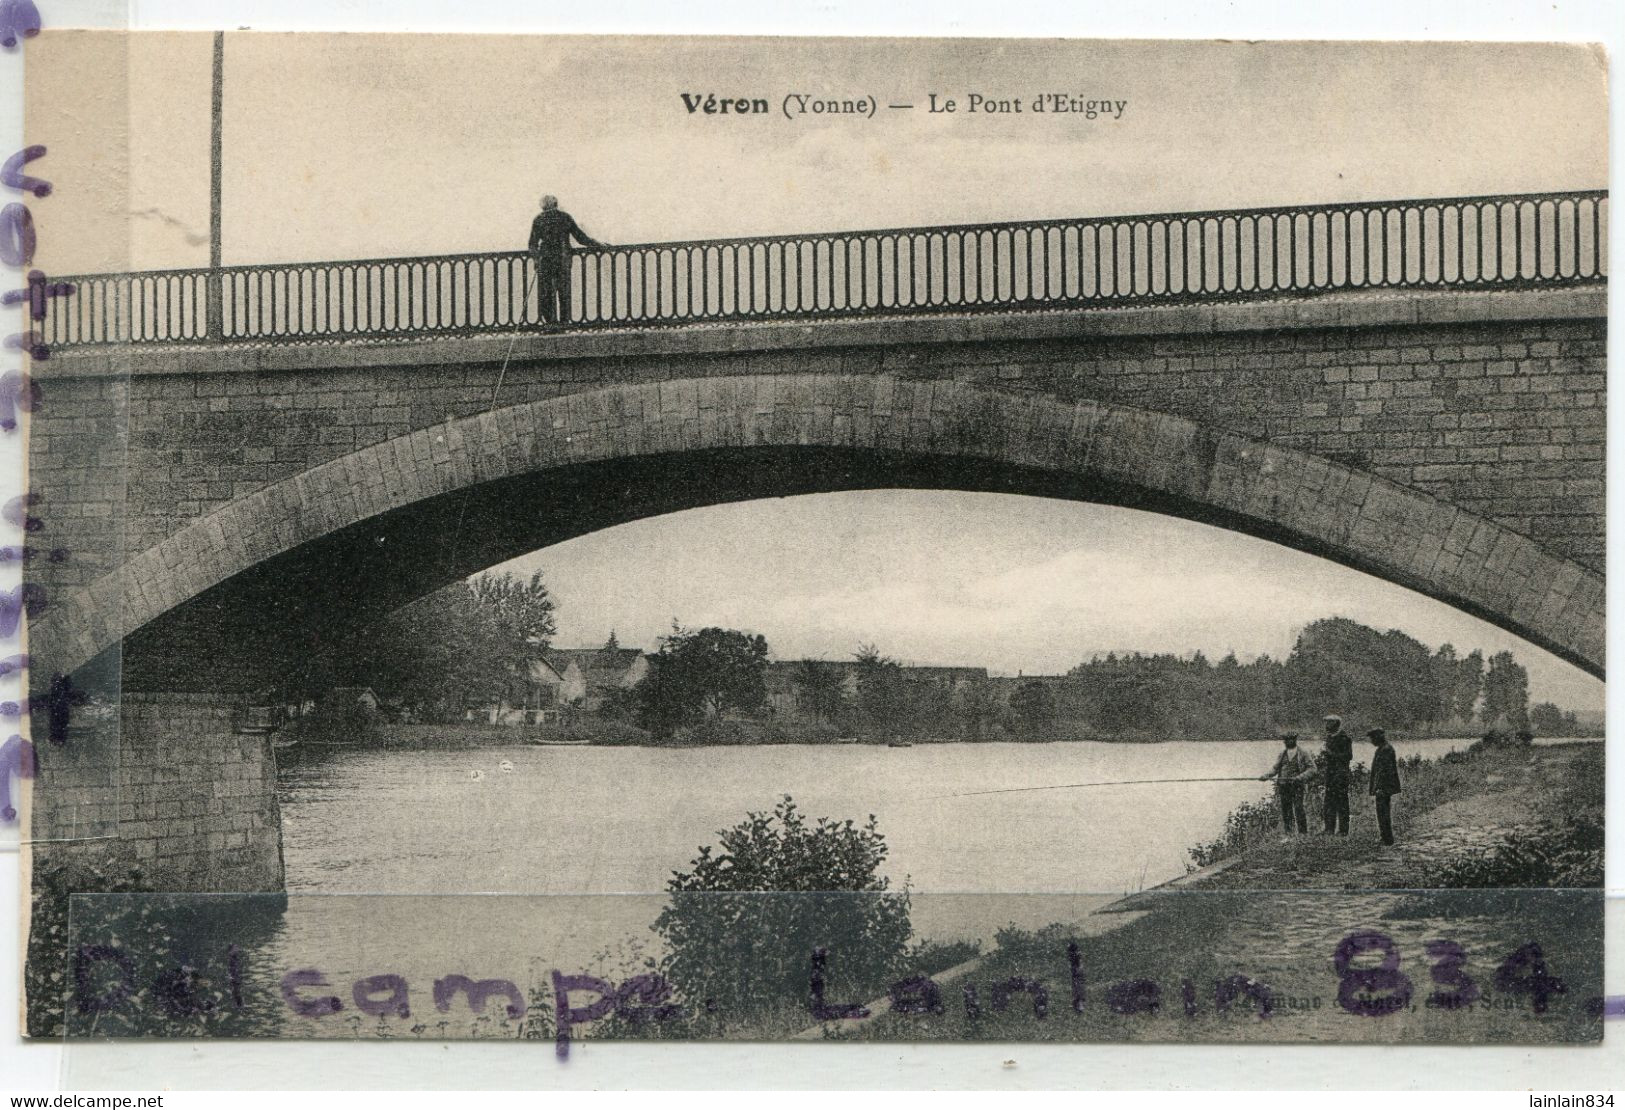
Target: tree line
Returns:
[[1336, 665], [474, 643], [470, 642]]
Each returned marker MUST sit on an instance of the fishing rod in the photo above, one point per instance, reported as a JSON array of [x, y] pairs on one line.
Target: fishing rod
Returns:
[[1076, 785]]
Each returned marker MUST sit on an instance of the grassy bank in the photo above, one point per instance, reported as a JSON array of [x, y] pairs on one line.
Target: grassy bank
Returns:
[[1487, 916], [463, 735], [1514, 802], [597, 730]]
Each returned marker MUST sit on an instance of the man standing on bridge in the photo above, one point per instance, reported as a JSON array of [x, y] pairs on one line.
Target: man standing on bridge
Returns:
[[1337, 754], [550, 235]]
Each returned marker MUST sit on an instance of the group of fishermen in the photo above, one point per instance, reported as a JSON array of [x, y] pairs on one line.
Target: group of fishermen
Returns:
[[1296, 771]]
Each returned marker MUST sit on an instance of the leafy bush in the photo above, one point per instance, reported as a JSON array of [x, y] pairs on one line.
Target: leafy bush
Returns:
[[172, 946], [592, 730], [1032, 945], [737, 953], [1246, 825], [931, 957], [1502, 738], [1564, 853], [98, 868], [733, 732]]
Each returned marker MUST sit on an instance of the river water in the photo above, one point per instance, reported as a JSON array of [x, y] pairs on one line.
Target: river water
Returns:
[[394, 858], [609, 820]]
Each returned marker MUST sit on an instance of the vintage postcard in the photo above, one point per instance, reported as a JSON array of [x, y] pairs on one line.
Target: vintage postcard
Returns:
[[546, 537]]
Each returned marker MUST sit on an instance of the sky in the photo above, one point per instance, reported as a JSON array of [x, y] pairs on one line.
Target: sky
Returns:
[[358, 146]]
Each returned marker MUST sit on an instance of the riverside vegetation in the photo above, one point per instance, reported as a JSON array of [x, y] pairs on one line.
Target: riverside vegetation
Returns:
[[474, 644]]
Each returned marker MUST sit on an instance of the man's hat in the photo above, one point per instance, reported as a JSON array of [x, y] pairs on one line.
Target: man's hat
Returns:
[[1333, 717], [1377, 734]]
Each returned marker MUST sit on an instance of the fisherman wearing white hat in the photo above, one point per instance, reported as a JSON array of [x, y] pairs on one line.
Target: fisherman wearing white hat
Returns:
[[1337, 754]]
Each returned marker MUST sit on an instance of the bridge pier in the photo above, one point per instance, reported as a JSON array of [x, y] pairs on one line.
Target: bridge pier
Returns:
[[168, 795]]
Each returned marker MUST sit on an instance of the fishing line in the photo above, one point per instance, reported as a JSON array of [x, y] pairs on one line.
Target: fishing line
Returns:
[[1077, 785], [462, 503]]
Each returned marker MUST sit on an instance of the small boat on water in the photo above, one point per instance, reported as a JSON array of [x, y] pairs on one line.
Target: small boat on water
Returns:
[[846, 739], [899, 744], [558, 743]]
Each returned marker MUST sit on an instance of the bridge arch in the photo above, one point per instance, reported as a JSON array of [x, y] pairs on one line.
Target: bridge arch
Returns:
[[274, 574]]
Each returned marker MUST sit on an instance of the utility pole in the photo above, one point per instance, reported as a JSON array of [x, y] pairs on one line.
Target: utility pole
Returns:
[[215, 299]]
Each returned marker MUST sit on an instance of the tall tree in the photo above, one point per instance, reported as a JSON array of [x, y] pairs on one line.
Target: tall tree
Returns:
[[440, 652], [471, 641], [524, 604], [699, 675], [1469, 684], [1034, 704], [1443, 670], [882, 692], [1339, 665], [977, 710], [820, 686], [1506, 692], [1546, 719]]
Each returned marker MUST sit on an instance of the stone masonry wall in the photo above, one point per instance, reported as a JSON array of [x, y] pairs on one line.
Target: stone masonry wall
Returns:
[[1504, 418], [193, 803]]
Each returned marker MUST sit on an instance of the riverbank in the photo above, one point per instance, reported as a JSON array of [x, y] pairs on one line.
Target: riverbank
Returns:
[[460, 736], [1256, 947], [600, 732]]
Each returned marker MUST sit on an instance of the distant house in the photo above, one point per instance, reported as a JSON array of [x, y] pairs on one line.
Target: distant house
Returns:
[[945, 678], [790, 693], [558, 679], [587, 676], [536, 700], [546, 684], [347, 696]]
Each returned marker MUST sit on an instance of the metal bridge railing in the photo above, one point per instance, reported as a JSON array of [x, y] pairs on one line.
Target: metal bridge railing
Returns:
[[1490, 242]]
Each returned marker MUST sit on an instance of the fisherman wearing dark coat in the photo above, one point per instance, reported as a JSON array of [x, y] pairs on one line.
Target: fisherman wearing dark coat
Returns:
[[1337, 754], [550, 235], [1384, 782]]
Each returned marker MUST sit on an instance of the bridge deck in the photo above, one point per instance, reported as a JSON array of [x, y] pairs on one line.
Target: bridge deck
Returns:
[[1492, 242]]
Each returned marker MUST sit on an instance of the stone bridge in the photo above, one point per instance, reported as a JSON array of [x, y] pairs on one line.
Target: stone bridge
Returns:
[[223, 505]]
